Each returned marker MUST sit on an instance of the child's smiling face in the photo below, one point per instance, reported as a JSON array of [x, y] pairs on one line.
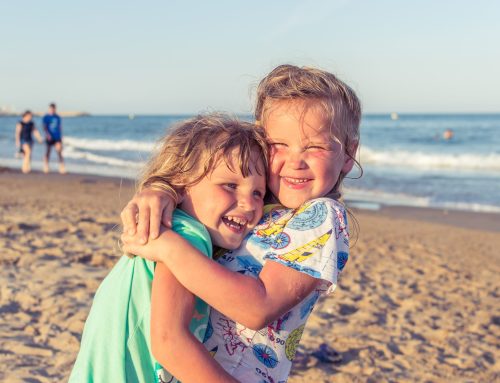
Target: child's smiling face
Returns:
[[228, 204], [306, 161]]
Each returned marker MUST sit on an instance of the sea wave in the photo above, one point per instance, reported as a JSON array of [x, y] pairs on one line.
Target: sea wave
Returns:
[[71, 152], [385, 198], [465, 161], [369, 199], [108, 145]]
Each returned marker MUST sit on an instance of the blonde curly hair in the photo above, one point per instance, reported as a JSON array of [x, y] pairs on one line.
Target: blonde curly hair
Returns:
[[317, 88], [193, 148]]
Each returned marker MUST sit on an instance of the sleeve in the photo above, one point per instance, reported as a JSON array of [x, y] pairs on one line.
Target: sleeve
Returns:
[[315, 241], [194, 232]]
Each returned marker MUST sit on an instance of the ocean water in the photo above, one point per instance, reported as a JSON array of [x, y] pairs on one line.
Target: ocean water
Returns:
[[405, 161]]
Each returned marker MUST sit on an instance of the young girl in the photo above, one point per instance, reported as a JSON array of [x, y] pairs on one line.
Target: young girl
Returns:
[[262, 293], [215, 169], [25, 129]]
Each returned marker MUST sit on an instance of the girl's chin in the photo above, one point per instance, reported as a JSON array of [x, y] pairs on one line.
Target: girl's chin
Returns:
[[293, 203]]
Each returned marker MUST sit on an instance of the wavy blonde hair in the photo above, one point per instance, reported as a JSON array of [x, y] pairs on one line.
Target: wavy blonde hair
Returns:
[[194, 147], [317, 88]]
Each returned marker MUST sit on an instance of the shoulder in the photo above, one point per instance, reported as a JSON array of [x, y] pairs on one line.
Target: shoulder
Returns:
[[332, 203], [320, 209], [182, 221], [319, 213], [322, 217], [192, 230], [314, 239]]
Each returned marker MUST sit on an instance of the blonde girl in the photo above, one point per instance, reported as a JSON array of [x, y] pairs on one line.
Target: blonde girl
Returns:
[[142, 318]]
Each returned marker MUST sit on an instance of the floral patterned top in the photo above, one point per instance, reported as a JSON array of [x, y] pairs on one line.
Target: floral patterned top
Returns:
[[312, 239]]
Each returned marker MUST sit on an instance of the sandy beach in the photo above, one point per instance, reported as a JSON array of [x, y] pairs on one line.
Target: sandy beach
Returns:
[[417, 302]]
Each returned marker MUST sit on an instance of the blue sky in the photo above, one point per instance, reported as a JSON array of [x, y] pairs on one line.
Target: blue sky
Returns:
[[156, 57]]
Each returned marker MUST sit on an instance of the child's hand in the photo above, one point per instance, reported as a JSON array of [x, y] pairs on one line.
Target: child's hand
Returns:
[[132, 244], [145, 212]]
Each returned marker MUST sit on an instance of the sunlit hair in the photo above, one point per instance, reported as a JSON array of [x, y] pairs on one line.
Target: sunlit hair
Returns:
[[193, 148], [317, 88]]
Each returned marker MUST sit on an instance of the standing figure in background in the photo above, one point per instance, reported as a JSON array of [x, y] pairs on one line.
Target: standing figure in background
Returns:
[[25, 128], [53, 137]]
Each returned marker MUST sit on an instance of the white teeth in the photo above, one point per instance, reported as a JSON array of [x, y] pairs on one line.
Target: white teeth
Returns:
[[296, 180], [237, 220]]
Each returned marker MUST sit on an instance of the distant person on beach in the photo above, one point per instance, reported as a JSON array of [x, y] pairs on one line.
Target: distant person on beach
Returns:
[[142, 318], [448, 134], [263, 293], [52, 127], [25, 129]]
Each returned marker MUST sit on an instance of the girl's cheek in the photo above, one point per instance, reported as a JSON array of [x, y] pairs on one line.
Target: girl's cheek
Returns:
[[323, 155], [274, 158], [273, 154], [275, 163]]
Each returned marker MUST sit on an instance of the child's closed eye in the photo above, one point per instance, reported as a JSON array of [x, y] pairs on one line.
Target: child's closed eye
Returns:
[[319, 147]]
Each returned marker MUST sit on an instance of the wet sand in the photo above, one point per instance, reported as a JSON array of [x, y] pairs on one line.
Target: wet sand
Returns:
[[418, 301]]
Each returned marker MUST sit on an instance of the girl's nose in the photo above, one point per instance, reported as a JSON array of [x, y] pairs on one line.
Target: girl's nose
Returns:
[[295, 160], [246, 202]]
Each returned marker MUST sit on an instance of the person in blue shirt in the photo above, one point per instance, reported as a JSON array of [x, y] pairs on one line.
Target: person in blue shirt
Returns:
[[53, 137]]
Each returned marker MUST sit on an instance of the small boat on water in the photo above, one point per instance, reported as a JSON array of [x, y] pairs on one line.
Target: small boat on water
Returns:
[[394, 116]]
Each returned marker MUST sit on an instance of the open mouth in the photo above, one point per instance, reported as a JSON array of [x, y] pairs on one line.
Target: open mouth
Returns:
[[236, 224]]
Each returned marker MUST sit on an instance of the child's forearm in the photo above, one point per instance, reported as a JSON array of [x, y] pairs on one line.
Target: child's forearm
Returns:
[[253, 302], [18, 135], [188, 360], [173, 346], [38, 135]]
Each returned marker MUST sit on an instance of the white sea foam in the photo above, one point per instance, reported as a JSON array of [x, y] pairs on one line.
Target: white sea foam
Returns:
[[109, 145], [71, 152], [421, 160], [385, 198], [471, 207], [360, 197]]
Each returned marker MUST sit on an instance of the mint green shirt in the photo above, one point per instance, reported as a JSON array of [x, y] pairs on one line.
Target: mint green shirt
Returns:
[[115, 345]]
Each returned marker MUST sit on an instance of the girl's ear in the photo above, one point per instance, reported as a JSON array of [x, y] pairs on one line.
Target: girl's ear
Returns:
[[349, 157], [181, 195]]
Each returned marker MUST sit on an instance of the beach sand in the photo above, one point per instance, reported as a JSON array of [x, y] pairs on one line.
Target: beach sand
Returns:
[[417, 302]]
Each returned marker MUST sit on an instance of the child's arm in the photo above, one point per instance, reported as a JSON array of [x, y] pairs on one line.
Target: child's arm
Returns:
[[253, 302], [173, 345], [18, 135], [37, 134], [46, 129]]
